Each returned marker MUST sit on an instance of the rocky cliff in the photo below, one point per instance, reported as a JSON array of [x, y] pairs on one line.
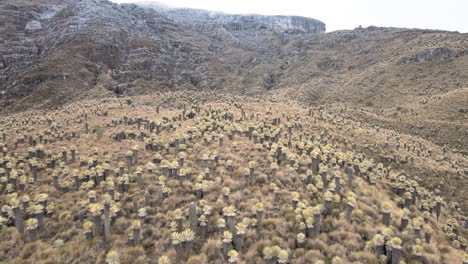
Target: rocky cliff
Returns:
[[203, 20], [57, 51], [54, 52]]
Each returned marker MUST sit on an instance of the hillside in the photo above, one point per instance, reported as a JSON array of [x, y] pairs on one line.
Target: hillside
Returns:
[[56, 52], [209, 178], [137, 133]]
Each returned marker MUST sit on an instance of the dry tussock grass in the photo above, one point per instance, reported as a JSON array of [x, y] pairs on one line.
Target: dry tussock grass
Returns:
[[283, 217]]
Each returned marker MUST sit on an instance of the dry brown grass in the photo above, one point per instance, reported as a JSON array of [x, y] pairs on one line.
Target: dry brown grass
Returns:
[[280, 220]]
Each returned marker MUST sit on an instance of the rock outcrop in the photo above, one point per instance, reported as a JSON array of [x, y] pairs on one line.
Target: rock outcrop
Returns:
[[431, 54], [128, 48], [203, 20]]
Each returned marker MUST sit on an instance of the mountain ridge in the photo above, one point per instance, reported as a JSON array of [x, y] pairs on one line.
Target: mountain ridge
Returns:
[[198, 18]]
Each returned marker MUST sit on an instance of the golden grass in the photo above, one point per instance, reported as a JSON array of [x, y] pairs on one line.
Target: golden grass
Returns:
[[280, 224]]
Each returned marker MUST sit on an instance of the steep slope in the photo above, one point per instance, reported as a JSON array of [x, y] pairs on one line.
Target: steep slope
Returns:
[[185, 177], [395, 78], [379, 66], [207, 21], [96, 44], [57, 52]]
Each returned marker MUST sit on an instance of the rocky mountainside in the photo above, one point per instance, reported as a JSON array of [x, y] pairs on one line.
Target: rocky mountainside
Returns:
[[56, 52], [142, 134], [206, 21]]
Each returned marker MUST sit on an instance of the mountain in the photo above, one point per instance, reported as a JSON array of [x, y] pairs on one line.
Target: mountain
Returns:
[[57, 52], [54, 52], [138, 133]]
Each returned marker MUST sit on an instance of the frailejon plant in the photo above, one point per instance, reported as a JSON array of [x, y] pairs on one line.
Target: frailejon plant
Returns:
[[233, 256], [275, 255], [239, 236], [31, 227], [18, 215], [395, 246], [418, 253], [300, 239], [386, 209], [258, 210], [427, 229], [37, 211], [417, 225], [230, 213], [96, 211], [226, 192], [405, 217], [135, 229], [227, 242], [378, 244], [113, 257], [164, 260], [88, 227], [336, 260], [107, 200]]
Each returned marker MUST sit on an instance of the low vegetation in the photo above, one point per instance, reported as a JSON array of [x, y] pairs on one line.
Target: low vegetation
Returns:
[[160, 179]]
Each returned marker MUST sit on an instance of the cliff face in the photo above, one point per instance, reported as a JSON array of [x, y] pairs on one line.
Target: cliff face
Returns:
[[53, 51], [204, 20]]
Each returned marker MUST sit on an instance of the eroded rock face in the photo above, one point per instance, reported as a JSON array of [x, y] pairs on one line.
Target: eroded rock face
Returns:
[[81, 44], [205, 20], [431, 54], [437, 53]]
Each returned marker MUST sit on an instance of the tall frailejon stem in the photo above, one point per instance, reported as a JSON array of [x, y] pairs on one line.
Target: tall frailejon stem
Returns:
[[386, 212], [259, 213], [136, 226], [135, 155], [38, 211], [193, 219], [378, 242], [187, 238], [107, 203], [88, 230], [438, 206], [227, 242], [17, 215], [31, 226], [129, 160], [350, 172], [95, 210], [349, 210], [73, 154], [230, 213], [239, 236]]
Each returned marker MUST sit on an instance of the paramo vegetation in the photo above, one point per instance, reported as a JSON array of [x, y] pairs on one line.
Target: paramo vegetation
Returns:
[[209, 178]]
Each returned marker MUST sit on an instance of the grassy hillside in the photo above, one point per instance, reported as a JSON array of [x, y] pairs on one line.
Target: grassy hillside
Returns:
[[212, 178]]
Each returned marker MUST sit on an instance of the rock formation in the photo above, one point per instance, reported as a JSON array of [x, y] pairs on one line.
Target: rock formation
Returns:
[[56, 52], [203, 20]]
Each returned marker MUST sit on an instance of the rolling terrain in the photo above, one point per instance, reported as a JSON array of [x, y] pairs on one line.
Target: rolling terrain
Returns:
[[57, 52], [207, 178], [137, 133]]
